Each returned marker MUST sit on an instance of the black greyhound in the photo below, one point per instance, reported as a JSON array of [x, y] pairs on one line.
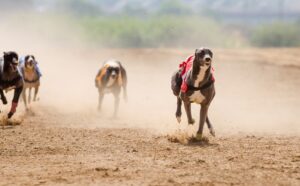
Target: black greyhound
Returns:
[[10, 78], [196, 85]]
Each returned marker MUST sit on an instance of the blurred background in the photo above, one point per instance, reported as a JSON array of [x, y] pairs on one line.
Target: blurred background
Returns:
[[158, 23]]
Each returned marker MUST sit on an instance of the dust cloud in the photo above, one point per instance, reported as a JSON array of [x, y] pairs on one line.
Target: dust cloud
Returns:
[[255, 93]]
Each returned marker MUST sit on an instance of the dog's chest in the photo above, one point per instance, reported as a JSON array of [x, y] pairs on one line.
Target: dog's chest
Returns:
[[109, 87], [200, 75], [197, 97], [30, 75], [110, 82]]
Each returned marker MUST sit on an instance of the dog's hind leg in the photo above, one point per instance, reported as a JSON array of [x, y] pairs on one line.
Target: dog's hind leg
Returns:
[[210, 127], [178, 111], [187, 106], [36, 90]]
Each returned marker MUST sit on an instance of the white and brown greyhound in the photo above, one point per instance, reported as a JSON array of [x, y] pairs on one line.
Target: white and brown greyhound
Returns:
[[111, 78], [31, 76]]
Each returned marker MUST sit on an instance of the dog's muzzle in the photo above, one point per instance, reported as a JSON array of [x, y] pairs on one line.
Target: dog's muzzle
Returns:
[[14, 66], [113, 75], [207, 61]]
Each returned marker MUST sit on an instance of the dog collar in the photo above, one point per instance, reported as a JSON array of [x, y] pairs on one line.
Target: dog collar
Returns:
[[206, 85], [32, 81]]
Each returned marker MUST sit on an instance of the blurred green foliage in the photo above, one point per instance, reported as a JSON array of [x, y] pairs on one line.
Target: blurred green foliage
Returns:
[[276, 35], [157, 31], [166, 23]]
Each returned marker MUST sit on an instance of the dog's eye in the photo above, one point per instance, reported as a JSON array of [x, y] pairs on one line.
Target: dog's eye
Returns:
[[202, 53], [210, 53]]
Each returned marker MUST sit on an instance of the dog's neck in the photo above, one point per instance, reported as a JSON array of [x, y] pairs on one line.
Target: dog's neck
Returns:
[[29, 69], [200, 74]]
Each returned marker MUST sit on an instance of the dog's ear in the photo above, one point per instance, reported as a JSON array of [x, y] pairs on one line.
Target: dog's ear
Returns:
[[101, 73], [121, 74], [120, 78], [198, 50], [210, 52], [26, 58], [4, 53]]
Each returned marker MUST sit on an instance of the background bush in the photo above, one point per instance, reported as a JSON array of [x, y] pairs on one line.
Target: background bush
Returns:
[[276, 35]]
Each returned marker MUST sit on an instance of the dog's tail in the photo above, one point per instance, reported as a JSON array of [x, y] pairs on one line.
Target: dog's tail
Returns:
[[176, 82]]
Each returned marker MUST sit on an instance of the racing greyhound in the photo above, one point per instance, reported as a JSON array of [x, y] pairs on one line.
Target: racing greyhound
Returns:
[[10, 78], [194, 83], [111, 78]]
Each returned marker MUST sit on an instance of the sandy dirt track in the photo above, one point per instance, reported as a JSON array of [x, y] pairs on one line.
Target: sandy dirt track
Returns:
[[64, 140]]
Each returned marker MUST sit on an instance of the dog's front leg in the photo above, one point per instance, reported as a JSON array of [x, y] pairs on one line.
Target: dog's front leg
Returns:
[[210, 127], [203, 114], [187, 106], [178, 111], [117, 101], [125, 93], [100, 99], [3, 98], [24, 97], [36, 90], [29, 96], [15, 101]]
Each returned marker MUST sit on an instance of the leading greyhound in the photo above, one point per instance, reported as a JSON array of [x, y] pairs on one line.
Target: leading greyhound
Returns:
[[194, 83]]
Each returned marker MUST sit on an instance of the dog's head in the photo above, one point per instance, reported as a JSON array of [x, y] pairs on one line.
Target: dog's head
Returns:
[[112, 70], [11, 61], [203, 56], [29, 62], [110, 73]]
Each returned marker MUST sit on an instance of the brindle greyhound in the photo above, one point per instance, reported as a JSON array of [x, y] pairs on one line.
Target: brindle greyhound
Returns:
[[199, 82]]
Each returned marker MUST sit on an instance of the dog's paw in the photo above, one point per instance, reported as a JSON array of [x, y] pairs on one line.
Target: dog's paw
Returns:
[[212, 132], [191, 122], [200, 137], [178, 119], [10, 114], [4, 100]]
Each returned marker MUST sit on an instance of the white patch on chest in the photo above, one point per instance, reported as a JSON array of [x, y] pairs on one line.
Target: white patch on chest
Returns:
[[201, 75], [110, 82], [197, 97]]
